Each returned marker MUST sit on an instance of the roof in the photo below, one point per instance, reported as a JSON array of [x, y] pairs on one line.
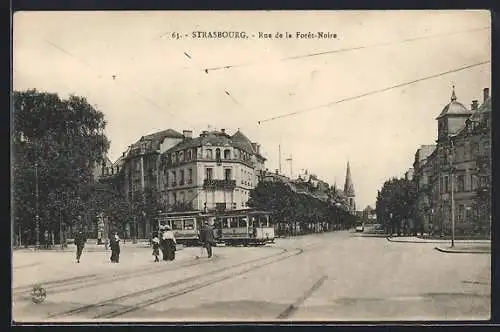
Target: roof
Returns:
[[158, 137], [454, 108], [217, 138], [242, 142], [478, 116], [485, 108]]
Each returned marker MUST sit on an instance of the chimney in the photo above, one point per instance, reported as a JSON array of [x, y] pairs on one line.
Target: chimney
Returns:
[[223, 130], [474, 105], [204, 133], [486, 94], [276, 170], [187, 133]]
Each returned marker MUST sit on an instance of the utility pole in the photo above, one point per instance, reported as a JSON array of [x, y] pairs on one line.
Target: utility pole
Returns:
[[279, 157], [452, 195]]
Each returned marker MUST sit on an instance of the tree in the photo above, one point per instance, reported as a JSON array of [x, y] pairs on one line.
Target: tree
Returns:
[[62, 140], [396, 203]]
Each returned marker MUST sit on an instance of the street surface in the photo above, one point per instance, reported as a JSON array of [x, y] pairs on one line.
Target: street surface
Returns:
[[327, 277]]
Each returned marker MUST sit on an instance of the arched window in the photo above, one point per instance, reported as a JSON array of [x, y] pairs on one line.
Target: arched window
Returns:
[[209, 154]]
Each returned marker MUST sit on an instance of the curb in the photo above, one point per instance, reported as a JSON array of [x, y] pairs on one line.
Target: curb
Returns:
[[452, 251], [442, 241], [401, 241]]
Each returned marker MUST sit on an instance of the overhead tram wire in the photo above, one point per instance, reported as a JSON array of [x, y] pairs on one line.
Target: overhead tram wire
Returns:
[[136, 92], [343, 50], [375, 91]]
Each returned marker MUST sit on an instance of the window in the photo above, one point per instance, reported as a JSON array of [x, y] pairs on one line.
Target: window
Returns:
[[460, 183], [181, 181], [473, 183], [226, 222], [174, 198], [189, 224], [181, 197], [236, 153], [177, 224], [174, 178], [209, 174], [190, 175], [227, 154], [166, 179], [446, 184], [227, 174], [233, 222], [461, 213], [181, 156], [217, 155], [242, 222], [209, 154]]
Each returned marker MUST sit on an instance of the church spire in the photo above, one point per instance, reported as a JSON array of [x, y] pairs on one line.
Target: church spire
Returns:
[[349, 186], [349, 190]]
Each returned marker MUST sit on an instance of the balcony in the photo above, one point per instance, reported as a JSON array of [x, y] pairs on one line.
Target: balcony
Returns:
[[219, 184]]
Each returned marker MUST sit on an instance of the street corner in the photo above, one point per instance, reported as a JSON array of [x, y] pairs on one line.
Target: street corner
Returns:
[[464, 249]]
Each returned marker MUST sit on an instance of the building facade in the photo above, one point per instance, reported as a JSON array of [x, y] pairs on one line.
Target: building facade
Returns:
[[215, 171], [454, 180]]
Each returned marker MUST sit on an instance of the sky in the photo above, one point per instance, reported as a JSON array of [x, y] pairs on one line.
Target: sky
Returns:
[[130, 66]]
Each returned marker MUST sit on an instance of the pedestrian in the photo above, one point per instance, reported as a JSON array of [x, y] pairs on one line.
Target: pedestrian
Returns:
[[169, 244], [80, 240], [115, 248], [207, 238], [156, 247]]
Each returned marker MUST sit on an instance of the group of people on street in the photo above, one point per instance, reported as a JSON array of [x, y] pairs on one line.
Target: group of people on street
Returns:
[[163, 240]]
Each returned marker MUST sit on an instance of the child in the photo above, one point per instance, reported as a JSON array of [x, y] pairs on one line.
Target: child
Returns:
[[156, 248]]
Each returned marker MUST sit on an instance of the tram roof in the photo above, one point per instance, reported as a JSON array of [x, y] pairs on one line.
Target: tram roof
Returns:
[[237, 212]]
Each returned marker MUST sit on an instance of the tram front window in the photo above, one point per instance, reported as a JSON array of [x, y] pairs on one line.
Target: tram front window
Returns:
[[176, 224], [242, 222], [234, 223], [189, 224]]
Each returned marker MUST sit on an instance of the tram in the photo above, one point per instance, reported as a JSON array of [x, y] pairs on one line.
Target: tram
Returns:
[[243, 227], [233, 227], [184, 225]]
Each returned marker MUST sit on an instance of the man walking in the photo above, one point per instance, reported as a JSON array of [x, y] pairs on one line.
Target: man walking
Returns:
[[207, 238], [80, 240]]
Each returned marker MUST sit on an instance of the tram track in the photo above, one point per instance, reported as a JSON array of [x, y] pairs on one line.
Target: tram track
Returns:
[[90, 280], [130, 302]]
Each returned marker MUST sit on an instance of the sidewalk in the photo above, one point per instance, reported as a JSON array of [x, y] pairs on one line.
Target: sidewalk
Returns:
[[89, 246], [414, 239], [460, 248]]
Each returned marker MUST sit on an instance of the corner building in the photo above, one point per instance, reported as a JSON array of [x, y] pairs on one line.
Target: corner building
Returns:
[[214, 171]]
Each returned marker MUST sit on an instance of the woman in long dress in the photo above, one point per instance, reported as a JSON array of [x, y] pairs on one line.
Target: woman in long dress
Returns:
[[169, 243], [115, 248]]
